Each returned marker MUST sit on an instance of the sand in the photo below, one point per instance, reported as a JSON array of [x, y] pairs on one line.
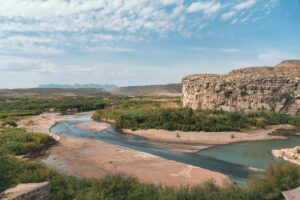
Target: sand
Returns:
[[209, 138], [42, 123], [93, 159], [93, 126]]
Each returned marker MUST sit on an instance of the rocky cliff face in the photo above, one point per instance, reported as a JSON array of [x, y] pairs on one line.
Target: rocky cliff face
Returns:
[[250, 89]]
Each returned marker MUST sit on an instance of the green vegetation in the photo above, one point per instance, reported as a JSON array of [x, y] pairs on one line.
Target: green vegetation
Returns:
[[9, 122], [14, 141], [19, 142], [282, 177], [133, 114], [156, 115], [22, 107]]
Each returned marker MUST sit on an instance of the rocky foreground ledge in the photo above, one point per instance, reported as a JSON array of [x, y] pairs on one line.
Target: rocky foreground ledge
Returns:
[[27, 191], [291, 155], [249, 89]]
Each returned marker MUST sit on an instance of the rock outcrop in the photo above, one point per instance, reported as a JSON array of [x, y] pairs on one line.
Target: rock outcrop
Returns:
[[29, 191], [249, 89], [292, 155]]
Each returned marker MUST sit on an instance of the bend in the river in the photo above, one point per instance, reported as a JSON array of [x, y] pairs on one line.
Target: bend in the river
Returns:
[[228, 159]]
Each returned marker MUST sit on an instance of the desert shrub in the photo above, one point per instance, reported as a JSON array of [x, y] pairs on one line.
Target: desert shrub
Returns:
[[10, 123], [147, 115], [34, 106], [19, 142]]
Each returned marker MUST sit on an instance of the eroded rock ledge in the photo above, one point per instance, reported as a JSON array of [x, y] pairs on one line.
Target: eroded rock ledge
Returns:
[[249, 89], [292, 155], [29, 191]]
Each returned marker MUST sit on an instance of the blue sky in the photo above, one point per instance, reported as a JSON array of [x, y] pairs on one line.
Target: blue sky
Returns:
[[139, 42]]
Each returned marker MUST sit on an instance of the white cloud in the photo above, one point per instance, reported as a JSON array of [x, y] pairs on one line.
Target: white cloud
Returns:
[[38, 9], [206, 7], [88, 15], [171, 2], [113, 20], [54, 27], [245, 5], [248, 11], [27, 72], [39, 50], [222, 50], [109, 49], [18, 64], [30, 44], [228, 15], [230, 50], [273, 56]]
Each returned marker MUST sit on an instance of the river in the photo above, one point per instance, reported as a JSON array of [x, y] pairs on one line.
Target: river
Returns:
[[233, 160]]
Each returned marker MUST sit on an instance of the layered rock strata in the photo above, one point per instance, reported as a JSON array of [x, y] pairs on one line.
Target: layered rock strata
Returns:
[[249, 89]]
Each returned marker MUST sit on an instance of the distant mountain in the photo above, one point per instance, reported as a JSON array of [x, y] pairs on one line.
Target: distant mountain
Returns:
[[150, 90], [106, 87]]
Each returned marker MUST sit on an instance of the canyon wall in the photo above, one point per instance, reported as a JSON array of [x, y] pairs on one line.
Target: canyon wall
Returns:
[[249, 89]]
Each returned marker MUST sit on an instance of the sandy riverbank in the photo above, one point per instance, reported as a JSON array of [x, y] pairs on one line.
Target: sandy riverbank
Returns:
[[209, 139], [93, 126], [91, 159], [43, 122]]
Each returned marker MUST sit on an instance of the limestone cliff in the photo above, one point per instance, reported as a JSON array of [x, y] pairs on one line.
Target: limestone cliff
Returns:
[[249, 89], [292, 155]]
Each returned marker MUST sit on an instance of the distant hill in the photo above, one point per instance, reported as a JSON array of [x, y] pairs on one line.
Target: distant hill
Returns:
[[52, 93], [149, 90], [106, 87]]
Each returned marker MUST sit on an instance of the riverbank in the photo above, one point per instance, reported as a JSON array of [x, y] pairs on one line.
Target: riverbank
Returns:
[[92, 159], [42, 123], [93, 126], [202, 140]]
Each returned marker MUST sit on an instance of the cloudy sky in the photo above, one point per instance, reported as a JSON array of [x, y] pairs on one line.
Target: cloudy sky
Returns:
[[138, 42]]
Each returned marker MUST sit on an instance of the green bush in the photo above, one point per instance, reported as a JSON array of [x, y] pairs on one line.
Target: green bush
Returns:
[[10, 123], [34, 106], [148, 115], [19, 142]]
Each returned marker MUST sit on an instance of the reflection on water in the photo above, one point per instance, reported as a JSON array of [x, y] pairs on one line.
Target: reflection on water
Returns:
[[232, 160]]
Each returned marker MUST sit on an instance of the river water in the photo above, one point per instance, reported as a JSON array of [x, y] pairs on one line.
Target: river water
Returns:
[[233, 160], [252, 154]]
